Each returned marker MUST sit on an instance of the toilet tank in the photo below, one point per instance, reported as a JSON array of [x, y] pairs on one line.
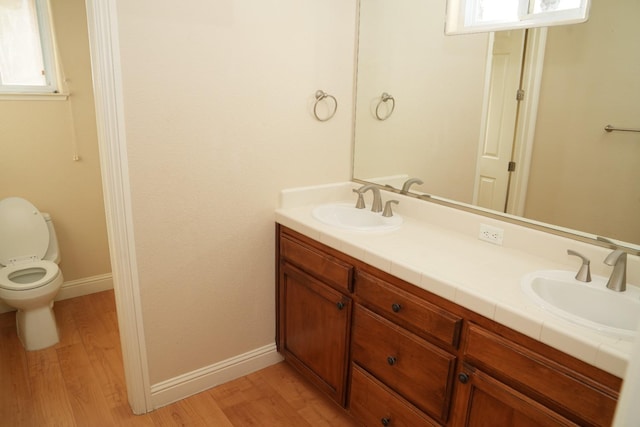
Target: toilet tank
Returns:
[[53, 252]]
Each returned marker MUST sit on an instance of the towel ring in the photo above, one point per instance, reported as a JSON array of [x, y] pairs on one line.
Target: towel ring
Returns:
[[383, 100], [320, 95]]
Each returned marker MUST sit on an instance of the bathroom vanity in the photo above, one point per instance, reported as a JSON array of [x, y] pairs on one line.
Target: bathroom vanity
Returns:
[[399, 351]]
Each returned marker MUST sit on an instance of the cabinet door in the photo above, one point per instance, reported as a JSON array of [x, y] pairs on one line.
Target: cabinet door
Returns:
[[483, 401], [568, 392], [314, 329]]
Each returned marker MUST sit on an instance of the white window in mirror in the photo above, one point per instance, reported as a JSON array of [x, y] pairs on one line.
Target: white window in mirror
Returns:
[[26, 48], [471, 16]]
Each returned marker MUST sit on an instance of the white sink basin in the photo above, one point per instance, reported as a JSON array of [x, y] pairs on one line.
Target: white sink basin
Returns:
[[588, 304], [346, 216]]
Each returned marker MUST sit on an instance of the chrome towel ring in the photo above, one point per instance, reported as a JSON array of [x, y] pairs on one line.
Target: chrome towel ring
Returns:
[[383, 100], [321, 95]]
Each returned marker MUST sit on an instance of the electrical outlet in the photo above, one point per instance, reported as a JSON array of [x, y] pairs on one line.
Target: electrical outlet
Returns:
[[491, 234]]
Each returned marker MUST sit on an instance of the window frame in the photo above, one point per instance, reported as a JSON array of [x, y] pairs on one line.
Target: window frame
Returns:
[[459, 18], [47, 45]]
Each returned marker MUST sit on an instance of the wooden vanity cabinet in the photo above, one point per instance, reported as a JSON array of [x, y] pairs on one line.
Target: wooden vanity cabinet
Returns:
[[418, 371], [505, 380], [314, 314], [374, 404], [407, 310], [396, 355], [406, 344], [485, 401]]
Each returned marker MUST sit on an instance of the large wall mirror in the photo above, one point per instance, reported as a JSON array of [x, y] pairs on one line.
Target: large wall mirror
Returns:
[[511, 122]]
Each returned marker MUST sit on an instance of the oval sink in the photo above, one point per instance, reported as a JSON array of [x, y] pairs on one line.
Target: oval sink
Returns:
[[588, 304], [346, 216]]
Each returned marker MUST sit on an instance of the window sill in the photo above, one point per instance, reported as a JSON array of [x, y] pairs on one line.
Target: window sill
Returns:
[[34, 96]]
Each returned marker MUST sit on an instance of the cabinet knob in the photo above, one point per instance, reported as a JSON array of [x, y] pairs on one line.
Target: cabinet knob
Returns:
[[340, 305], [386, 421], [463, 378], [391, 360], [396, 307]]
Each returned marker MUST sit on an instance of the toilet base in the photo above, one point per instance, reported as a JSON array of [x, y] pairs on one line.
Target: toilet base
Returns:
[[37, 328]]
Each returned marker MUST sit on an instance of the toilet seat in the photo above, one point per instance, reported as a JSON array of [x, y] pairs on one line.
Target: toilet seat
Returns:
[[51, 271]]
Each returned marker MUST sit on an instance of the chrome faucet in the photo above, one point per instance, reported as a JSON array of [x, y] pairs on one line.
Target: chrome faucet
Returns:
[[407, 184], [377, 198], [618, 280], [584, 273]]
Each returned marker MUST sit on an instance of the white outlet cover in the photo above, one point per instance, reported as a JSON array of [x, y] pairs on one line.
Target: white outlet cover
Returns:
[[491, 234]]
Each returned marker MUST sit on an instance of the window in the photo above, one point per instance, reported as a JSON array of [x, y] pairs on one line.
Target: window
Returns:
[[470, 16], [26, 47]]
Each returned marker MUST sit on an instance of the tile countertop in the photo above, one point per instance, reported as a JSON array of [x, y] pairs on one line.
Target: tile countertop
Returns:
[[438, 250]]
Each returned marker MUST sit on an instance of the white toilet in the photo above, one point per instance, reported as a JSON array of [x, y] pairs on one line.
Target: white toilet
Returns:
[[29, 273]]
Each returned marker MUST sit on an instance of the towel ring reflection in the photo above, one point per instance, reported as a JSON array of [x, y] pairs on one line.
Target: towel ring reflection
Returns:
[[610, 128], [320, 95], [383, 100]]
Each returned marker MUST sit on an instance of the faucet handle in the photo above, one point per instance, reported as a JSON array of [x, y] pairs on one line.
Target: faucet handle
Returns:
[[584, 273], [360, 203], [387, 208]]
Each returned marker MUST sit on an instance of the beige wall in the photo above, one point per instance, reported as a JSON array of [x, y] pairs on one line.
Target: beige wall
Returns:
[[437, 82], [583, 177], [37, 153], [218, 116]]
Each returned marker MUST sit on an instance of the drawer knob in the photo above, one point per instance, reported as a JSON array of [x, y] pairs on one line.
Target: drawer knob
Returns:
[[396, 307], [391, 360], [340, 305], [386, 421], [463, 378]]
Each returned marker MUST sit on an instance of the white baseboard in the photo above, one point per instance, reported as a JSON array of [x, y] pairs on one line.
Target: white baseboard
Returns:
[[86, 286], [77, 288], [188, 384]]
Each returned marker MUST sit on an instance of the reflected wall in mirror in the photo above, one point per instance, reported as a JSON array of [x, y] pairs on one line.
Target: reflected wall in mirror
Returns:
[[457, 125]]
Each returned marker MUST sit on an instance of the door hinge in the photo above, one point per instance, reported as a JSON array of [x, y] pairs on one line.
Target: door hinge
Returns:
[[520, 95], [511, 167]]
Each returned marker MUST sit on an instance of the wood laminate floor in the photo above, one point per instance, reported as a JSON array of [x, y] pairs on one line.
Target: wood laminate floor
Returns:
[[80, 382]]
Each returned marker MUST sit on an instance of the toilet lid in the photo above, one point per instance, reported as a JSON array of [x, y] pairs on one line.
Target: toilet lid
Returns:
[[23, 231]]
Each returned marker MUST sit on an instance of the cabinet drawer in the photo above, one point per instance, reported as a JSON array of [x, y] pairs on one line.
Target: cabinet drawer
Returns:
[[330, 270], [407, 310], [568, 392], [417, 370], [375, 405]]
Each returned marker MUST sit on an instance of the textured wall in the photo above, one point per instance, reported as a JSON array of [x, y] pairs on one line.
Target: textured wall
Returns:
[[218, 114]]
